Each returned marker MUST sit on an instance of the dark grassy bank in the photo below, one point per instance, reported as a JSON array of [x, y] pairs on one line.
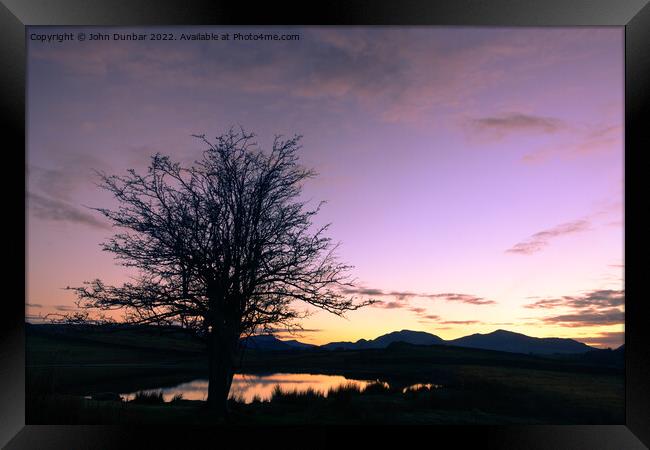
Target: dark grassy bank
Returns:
[[347, 405], [83, 360], [479, 386]]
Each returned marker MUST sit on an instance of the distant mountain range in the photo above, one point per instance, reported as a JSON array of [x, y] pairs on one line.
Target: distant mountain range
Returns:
[[407, 336], [499, 340], [507, 341], [270, 342]]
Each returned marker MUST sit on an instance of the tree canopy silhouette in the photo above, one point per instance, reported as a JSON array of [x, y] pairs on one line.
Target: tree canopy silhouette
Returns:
[[224, 248]]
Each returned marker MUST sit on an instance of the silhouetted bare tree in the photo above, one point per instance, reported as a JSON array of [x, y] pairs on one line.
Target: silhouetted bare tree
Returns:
[[223, 248]]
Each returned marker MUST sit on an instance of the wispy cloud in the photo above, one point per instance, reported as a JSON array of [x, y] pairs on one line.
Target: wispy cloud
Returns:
[[594, 140], [462, 298], [66, 308], [428, 318], [612, 339], [33, 305], [613, 316], [364, 291], [50, 209], [390, 305], [402, 296], [382, 68], [597, 307], [403, 299], [399, 298], [515, 122], [604, 298], [539, 240], [460, 322], [66, 172], [395, 299]]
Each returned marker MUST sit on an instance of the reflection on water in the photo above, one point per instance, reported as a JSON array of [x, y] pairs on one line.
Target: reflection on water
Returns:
[[420, 386], [245, 386]]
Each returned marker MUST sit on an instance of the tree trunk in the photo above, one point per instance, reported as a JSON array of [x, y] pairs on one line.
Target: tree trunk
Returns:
[[222, 357]]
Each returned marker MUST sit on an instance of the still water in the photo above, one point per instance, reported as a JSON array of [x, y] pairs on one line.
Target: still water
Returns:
[[246, 386]]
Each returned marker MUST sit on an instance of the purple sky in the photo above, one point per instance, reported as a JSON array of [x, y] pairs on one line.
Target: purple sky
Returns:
[[474, 176]]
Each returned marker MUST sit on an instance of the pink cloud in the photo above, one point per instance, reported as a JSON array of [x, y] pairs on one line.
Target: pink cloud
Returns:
[[595, 141], [539, 240]]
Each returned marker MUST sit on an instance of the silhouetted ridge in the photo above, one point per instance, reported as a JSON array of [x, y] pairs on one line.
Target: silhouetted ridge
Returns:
[[499, 340], [508, 341], [270, 342], [407, 336]]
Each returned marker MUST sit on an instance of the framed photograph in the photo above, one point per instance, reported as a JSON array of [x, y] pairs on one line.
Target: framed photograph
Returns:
[[407, 218]]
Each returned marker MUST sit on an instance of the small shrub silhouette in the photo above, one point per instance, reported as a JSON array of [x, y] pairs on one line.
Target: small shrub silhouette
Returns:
[[176, 398], [149, 398]]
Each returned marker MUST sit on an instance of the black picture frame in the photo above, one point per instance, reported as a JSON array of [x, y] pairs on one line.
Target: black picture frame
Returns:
[[634, 15]]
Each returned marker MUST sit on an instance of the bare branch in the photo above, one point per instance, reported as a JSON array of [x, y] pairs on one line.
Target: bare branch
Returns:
[[224, 244]]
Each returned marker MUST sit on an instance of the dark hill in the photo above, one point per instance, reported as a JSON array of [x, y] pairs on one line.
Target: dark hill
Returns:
[[407, 336], [265, 342], [507, 341]]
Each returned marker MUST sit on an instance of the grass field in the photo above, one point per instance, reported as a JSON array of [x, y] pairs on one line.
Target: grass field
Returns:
[[479, 386]]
